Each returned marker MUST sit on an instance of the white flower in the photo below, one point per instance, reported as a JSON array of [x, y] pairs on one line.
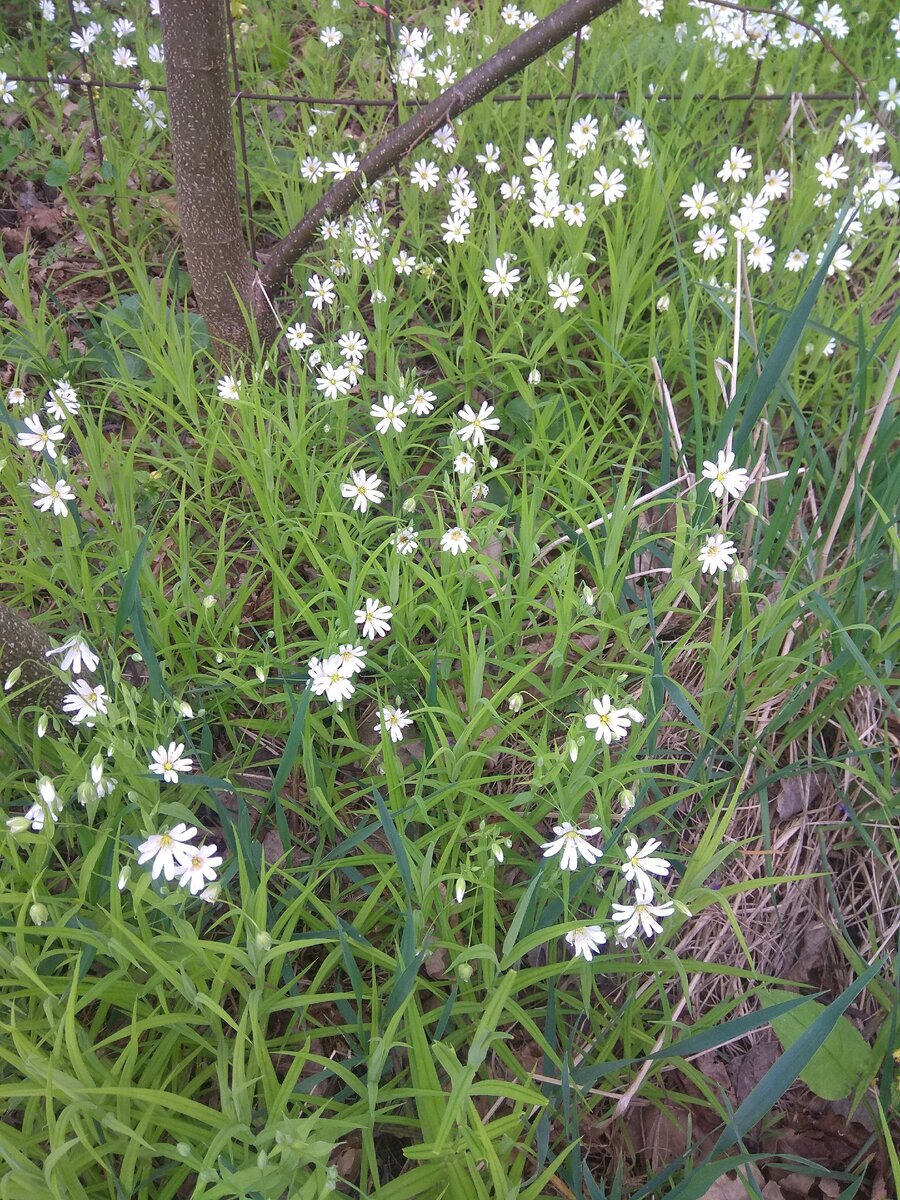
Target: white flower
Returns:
[[490, 160], [586, 941], [572, 844], [62, 400], [363, 490], [710, 242], [608, 184], [546, 207], [353, 346], [298, 337], [342, 165], [424, 174], [639, 865], [457, 21], [77, 656], [513, 190], [775, 184], [456, 229], [502, 278], [168, 851], [717, 554], [320, 291], [198, 868], [736, 165], [352, 657], [37, 439], [7, 88], [455, 541], [334, 380], [477, 424], [394, 720], [642, 915], [421, 401], [405, 541], [464, 463], [122, 57], [49, 805], [698, 202], [796, 260], [332, 678], [56, 496], [611, 724], [169, 761], [832, 171], [312, 168], [330, 37], [374, 618], [724, 477], [404, 263], [229, 388], [85, 702], [575, 214], [15, 397], [564, 291], [389, 414]]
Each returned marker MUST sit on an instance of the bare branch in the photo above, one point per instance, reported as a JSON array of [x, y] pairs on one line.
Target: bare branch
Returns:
[[500, 67]]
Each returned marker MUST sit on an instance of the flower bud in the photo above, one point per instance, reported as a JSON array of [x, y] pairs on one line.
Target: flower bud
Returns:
[[459, 890], [409, 504], [42, 725], [209, 601], [12, 678], [739, 573], [627, 799], [515, 702], [464, 971], [47, 790], [96, 769], [39, 914], [18, 824], [86, 793], [587, 595]]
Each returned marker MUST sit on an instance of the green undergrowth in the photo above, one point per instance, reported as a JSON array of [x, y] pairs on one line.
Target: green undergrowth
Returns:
[[376, 995]]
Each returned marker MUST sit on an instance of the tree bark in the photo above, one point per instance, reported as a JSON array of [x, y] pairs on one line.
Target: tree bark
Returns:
[[222, 275], [24, 646]]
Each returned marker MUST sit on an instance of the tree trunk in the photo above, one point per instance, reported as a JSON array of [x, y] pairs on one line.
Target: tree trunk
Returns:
[[24, 646], [222, 275]]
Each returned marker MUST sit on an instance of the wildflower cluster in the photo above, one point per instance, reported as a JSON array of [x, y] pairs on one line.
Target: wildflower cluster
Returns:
[[642, 913]]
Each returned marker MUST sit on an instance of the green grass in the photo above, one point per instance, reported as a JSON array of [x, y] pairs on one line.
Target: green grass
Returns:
[[337, 1018]]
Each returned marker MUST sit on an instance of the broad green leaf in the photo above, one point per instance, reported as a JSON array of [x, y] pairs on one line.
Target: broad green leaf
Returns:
[[835, 1068]]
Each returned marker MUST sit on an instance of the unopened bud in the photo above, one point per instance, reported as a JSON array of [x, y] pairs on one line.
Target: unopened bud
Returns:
[[464, 971], [515, 702], [39, 914], [12, 678], [124, 876], [459, 890], [739, 573], [42, 725]]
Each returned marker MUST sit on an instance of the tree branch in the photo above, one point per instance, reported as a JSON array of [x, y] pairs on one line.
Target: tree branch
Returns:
[[500, 67]]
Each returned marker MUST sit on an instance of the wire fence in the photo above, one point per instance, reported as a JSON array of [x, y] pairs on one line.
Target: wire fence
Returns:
[[89, 84]]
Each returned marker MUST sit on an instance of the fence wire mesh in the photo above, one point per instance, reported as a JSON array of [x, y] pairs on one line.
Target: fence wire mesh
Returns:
[[89, 84]]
